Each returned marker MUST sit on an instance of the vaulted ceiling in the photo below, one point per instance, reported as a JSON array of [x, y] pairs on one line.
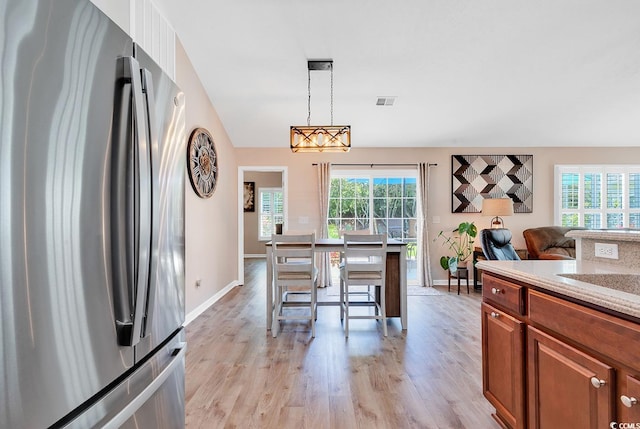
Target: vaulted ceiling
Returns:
[[497, 73]]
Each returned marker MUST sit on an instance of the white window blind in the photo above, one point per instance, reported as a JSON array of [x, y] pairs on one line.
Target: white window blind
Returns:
[[271, 211], [597, 196]]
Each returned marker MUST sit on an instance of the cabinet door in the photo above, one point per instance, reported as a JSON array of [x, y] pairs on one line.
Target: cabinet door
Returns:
[[567, 388], [629, 399], [392, 285], [503, 365]]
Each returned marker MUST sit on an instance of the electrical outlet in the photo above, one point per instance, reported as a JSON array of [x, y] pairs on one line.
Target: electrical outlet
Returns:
[[607, 250], [198, 283]]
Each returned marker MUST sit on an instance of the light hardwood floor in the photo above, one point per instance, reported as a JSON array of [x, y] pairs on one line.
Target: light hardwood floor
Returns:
[[429, 376]]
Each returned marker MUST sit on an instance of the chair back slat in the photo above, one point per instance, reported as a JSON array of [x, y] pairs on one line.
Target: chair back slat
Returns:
[[342, 232]]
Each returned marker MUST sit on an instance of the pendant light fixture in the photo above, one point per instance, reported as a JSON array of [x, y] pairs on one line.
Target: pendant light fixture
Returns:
[[320, 138]]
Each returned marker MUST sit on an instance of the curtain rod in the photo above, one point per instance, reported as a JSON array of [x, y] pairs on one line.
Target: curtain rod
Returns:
[[378, 165]]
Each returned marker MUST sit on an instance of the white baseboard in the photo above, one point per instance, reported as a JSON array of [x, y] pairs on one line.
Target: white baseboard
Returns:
[[453, 281], [208, 303], [256, 255]]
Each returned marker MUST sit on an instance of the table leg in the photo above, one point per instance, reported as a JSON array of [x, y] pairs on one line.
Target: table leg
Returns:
[[403, 287], [475, 273], [269, 286], [476, 253]]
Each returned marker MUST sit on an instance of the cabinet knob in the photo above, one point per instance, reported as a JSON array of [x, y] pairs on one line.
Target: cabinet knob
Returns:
[[495, 291], [597, 383], [495, 315], [628, 401]]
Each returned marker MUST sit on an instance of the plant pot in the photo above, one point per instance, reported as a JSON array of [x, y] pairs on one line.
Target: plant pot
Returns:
[[455, 265]]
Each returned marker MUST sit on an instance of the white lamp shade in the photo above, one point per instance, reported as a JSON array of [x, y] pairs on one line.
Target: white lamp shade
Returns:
[[497, 207]]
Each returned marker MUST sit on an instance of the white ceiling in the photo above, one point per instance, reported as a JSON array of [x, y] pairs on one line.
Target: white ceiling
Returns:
[[498, 73]]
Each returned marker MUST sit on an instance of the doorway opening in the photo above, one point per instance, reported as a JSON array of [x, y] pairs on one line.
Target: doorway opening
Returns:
[[262, 212]]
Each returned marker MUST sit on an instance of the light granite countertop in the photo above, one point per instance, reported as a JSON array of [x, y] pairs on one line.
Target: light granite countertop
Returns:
[[606, 234], [546, 275]]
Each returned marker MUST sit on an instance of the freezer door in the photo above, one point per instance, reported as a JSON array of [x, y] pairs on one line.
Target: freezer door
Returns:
[[58, 337], [165, 112], [151, 397]]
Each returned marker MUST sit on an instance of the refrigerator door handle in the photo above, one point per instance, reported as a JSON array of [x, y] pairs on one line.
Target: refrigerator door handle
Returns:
[[130, 325], [143, 187], [125, 414], [148, 89]]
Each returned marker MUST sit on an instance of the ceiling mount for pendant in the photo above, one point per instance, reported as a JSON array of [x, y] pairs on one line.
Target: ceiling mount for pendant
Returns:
[[319, 65], [320, 138]]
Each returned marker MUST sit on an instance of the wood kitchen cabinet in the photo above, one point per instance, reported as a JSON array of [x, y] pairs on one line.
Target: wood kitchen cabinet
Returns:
[[550, 362], [503, 365], [567, 388], [628, 398]]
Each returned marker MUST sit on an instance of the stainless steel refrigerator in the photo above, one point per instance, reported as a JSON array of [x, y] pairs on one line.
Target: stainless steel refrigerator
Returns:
[[91, 224]]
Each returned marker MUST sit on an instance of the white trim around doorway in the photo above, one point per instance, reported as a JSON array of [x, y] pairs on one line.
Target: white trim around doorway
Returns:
[[285, 192]]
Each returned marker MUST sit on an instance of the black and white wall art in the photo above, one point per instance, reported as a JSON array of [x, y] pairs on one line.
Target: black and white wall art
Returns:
[[476, 177]]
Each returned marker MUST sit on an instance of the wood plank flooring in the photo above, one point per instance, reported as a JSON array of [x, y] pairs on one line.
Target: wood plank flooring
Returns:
[[238, 376]]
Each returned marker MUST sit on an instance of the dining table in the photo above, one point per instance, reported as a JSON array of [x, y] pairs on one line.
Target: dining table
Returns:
[[395, 282]]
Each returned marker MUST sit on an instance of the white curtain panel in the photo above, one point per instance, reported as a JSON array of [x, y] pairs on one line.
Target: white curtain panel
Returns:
[[423, 189], [323, 259]]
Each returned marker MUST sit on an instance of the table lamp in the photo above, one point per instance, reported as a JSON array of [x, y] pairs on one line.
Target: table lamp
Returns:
[[497, 207]]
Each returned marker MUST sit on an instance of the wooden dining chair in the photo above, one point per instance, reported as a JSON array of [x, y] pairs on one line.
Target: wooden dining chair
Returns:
[[294, 276], [365, 261]]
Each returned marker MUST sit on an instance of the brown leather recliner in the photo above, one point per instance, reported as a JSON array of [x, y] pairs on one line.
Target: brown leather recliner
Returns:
[[549, 242]]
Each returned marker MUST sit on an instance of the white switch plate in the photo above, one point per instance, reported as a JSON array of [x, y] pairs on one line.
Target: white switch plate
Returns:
[[303, 220], [436, 219], [607, 250]]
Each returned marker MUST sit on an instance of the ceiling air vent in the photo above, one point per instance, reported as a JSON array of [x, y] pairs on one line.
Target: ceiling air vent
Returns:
[[385, 101]]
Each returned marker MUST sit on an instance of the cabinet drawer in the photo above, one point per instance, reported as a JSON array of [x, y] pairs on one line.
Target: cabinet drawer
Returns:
[[505, 294], [600, 332]]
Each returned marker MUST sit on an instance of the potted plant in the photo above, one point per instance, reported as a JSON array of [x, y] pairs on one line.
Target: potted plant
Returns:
[[460, 242]]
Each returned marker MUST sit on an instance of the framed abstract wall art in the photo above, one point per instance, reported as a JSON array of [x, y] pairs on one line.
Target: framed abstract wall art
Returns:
[[476, 177]]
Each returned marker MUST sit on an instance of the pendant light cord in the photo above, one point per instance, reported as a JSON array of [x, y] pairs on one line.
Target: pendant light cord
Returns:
[[309, 96], [331, 94]]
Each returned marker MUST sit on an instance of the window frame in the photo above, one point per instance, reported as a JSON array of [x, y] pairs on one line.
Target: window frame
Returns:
[[378, 174]]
